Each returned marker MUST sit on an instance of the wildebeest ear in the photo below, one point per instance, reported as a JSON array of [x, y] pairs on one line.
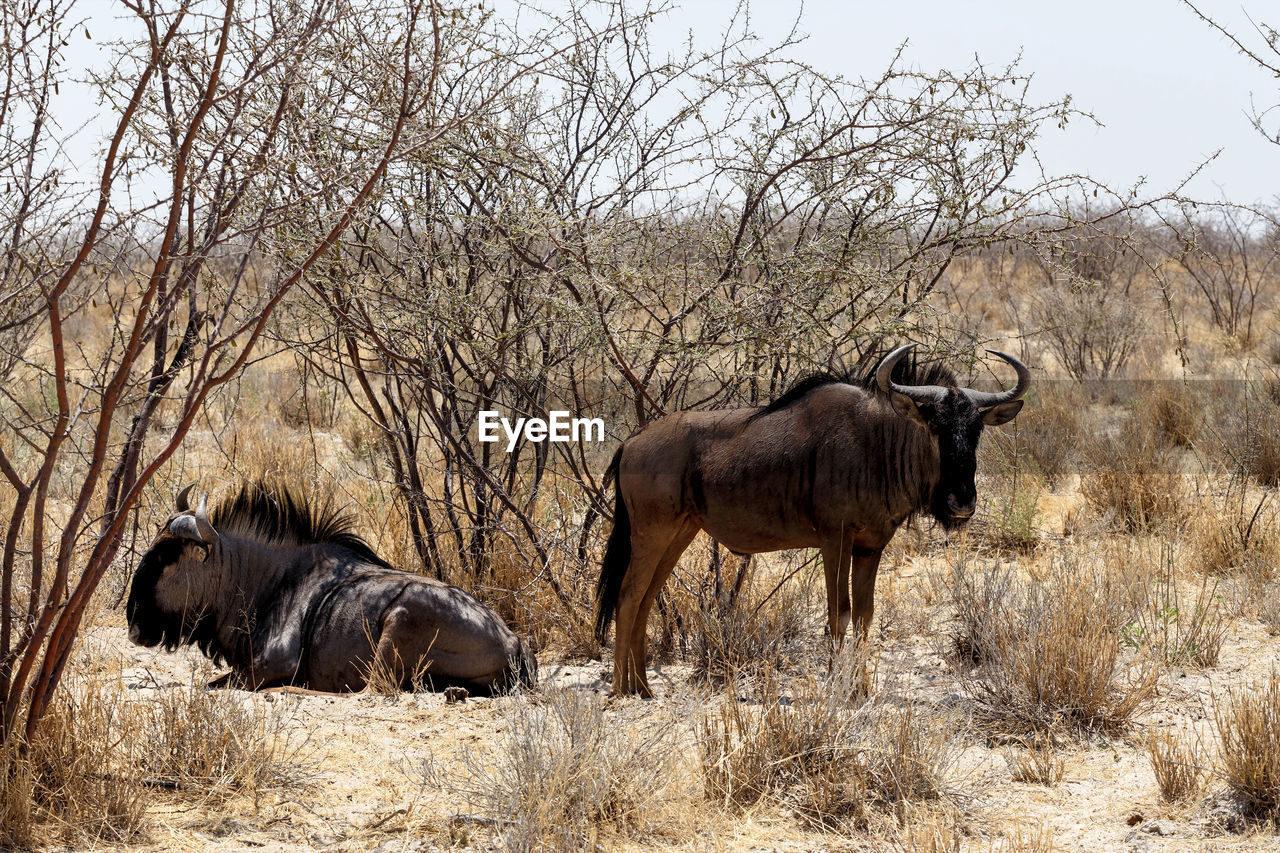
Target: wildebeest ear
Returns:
[[907, 407], [1002, 413]]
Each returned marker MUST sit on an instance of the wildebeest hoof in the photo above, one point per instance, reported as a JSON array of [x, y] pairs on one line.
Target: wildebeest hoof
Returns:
[[454, 695]]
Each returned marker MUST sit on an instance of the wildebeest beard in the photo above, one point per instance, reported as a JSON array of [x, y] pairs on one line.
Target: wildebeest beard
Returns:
[[157, 627]]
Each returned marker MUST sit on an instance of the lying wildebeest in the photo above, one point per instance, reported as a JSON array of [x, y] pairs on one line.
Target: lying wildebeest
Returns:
[[287, 594], [828, 465]]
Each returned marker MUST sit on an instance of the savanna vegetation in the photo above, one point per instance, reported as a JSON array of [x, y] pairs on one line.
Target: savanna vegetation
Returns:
[[320, 239]]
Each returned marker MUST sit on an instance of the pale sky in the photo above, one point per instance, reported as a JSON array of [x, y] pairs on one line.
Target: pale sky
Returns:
[[1169, 90]]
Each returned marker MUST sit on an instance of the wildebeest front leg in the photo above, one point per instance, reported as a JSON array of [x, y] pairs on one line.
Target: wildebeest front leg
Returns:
[[865, 564], [835, 565]]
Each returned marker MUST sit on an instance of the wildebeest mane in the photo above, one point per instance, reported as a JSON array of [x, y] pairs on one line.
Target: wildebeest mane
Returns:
[[908, 371], [272, 513]]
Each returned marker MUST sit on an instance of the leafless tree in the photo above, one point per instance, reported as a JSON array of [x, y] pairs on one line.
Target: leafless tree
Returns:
[[1266, 55], [624, 235], [159, 282], [1229, 255]]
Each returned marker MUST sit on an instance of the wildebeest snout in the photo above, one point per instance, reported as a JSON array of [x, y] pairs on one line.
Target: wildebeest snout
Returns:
[[960, 508]]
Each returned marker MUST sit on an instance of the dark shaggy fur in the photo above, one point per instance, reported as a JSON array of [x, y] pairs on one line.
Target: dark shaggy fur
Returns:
[[272, 513], [908, 371]]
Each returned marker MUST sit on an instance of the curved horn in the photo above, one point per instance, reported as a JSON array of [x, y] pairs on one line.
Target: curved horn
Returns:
[[207, 533], [181, 500], [919, 393], [984, 400]]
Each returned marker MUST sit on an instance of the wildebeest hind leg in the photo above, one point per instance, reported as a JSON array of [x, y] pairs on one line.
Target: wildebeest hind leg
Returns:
[[647, 550], [639, 632]]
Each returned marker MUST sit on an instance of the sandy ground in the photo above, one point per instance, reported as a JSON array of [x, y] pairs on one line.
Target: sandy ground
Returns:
[[356, 781]]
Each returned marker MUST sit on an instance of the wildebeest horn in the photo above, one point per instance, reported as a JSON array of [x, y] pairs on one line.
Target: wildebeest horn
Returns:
[[984, 400], [181, 500], [919, 393], [207, 533]]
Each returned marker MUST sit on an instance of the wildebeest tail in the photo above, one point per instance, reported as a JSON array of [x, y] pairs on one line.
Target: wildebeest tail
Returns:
[[617, 554]]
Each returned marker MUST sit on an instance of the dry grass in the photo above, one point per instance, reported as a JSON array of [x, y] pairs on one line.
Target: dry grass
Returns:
[[1235, 532], [840, 763], [1173, 413], [1179, 630], [1037, 760], [1175, 761], [1049, 650], [1248, 725], [213, 743], [78, 779], [566, 774], [1012, 521], [1132, 480], [772, 623], [1044, 441]]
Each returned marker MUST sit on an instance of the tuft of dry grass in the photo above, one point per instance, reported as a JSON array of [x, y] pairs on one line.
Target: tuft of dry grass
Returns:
[[770, 624], [1175, 761], [1179, 631], [1037, 761], [1174, 412], [77, 780], [1235, 533], [839, 763], [215, 742], [1049, 650], [1025, 839], [566, 773], [1132, 480], [1248, 726], [1012, 520], [1046, 437]]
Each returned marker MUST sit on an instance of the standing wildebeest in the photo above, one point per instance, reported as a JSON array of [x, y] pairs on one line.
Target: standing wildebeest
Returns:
[[828, 465], [287, 594]]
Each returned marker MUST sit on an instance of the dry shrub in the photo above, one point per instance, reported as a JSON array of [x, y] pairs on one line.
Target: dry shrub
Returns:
[[1268, 607], [1248, 438], [839, 763], [566, 773], [1174, 412], [1175, 761], [77, 779], [1037, 760], [1012, 519], [1048, 430], [768, 625], [1236, 533], [303, 399], [1248, 725], [1132, 479], [1179, 631], [215, 742], [1050, 650]]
